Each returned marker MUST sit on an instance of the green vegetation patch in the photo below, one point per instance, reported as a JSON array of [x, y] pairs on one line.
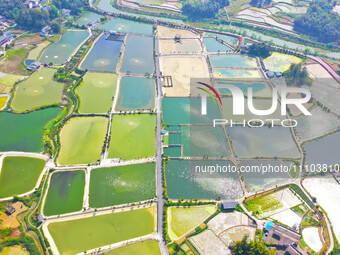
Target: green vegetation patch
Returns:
[[96, 92], [132, 136], [76, 236], [147, 247], [120, 185], [65, 193], [24, 132], [82, 139], [263, 204], [19, 175], [39, 90], [183, 219]]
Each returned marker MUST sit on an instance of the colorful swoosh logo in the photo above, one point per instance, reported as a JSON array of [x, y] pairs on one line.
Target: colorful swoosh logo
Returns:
[[212, 89]]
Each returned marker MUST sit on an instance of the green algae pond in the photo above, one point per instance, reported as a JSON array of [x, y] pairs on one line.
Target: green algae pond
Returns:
[[136, 93], [24, 132], [94, 86], [104, 55], [76, 236], [37, 91], [87, 17], [82, 139], [148, 247], [59, 52], [127, 26], [121, 185], [65, 193], [27, 168], [138, 55], [213, 45], [184, 182], [132, 136]]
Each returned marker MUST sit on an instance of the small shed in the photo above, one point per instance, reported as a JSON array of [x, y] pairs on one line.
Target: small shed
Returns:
[[10, 210], [178, 38], [270, 74], [229, 205]]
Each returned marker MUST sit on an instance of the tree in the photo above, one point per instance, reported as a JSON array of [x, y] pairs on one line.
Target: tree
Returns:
[[55, 27], [203, 9], [244, 247], [260, 50], [296, 75]]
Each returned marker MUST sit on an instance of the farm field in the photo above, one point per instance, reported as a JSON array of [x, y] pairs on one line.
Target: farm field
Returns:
[[281, 62], [65, 193], [182, 69], [15, 249], [311, 237], [29, 170], [236, 234], [82, 139], [59, 52], [147, 247], [3, 100], [288, 217], [183, 219], [94, 86], [75, 236], [209, 243], [24, 132], [103, 56], [136, 93], [34, 54], [132, 136], [224, 221], [138, 61], [7, 82], [37, 91], [121, 185]]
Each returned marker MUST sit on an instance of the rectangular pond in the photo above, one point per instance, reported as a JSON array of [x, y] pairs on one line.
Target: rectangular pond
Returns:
[[136, 93], [121, 185], [127, 26], [65, 192], [94, 86], [138, 55], [59, 52], [104, 55], [87, 17], [183, 182], [24, 132], [232, 61], [212, 45]]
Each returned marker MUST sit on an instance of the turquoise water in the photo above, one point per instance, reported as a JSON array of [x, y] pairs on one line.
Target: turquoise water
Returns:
[[138, 55], [256, 86], [232, 61], [175, 152], [213, 45], [136, 93], [177, 110], [87, 17], [104, 56], [263, 142], [59, 52], [183, 182], [24, 132], [229, 39], [127, 26], [208, 141], [323, 151]]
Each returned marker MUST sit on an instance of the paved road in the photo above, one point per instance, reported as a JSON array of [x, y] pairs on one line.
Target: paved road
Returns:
[[161, 200]]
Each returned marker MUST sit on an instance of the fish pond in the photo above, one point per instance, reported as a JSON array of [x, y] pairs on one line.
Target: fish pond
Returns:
[[136, 93], [29, 169], [121, 185], [94, 86], [82, 139], [76, 236], [185, 181], [143, 248], [59, 52], [104, 55], [132, 136], [127, 26], [212, 45], [65, 193], [87, 17], [138, 55], [232, 61], [37, 91], [24, 132]]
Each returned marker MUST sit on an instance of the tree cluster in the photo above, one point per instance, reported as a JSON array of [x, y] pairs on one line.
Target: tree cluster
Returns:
[[244, 247], [260, 50], [36, 18], [260, 3], [203, 9], [320, 22], [296, 75]]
